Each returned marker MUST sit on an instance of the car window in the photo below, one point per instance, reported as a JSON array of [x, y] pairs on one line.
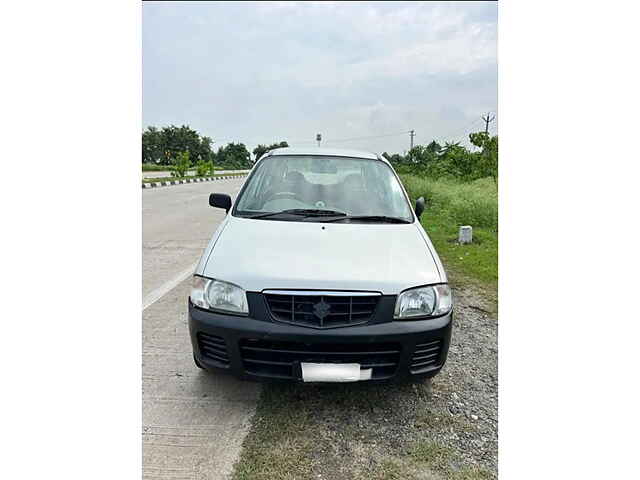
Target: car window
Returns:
[[350, 185]]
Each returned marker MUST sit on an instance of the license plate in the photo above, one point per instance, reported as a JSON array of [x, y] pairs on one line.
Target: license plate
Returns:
[[334, 372]]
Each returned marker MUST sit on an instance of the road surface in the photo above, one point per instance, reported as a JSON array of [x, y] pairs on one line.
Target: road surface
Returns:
[[193, 422]]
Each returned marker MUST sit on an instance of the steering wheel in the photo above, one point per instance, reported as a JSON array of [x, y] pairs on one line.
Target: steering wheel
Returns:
[[281, 195]]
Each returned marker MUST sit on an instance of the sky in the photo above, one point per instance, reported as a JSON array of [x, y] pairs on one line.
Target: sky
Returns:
[[271, 71]]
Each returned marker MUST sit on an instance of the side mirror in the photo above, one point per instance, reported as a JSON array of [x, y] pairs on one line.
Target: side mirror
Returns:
[[419, 206], [220, 200]]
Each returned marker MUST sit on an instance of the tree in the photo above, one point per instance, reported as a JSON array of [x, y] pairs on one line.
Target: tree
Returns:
[[162, 146], [454, 161], [434, 147], [181, 139], [234, 156], [151, 145], [206, 152], [488, 157], [260, 150], [395, 159]]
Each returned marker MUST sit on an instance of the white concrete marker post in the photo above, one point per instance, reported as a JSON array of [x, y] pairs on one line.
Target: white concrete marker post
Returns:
[[465, 234]]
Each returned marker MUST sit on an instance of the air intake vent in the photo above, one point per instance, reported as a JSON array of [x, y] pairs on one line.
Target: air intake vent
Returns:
[[279, 359], [322, 311], [426, 355], [213, 348]]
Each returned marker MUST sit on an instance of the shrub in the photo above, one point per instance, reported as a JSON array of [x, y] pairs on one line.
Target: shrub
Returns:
[[204, 168], [180, 165]]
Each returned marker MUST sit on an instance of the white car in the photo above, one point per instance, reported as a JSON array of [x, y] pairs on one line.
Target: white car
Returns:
[[321, 272]]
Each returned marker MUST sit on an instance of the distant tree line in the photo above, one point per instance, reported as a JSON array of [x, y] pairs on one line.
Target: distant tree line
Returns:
[[262, 149], [451, 159], [167, 146]]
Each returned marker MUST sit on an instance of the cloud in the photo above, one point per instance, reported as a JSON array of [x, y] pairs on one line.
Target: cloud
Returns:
[[266, 71]]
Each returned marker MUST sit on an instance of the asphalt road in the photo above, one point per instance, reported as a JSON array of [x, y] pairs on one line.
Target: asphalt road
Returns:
[[193, 422]]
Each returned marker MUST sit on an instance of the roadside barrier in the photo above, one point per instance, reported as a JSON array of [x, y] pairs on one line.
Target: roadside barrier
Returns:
[[190, 180]]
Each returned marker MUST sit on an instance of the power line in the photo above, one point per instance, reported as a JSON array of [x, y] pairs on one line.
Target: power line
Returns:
[[367, 138], [263, 141], [326, 140], [411, 133], [464, 130]]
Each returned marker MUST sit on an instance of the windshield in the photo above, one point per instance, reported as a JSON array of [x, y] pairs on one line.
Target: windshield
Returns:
[[323, 185]]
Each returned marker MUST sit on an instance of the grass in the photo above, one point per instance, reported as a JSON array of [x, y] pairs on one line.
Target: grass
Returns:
[[148, 167], [315, 431], [170, 179], [451, 204], [441, 459], [280, 446]]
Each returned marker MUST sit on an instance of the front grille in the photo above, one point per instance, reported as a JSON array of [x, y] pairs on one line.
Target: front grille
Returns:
[[279, 359], [322, 311], [426, 355], [213, 348]]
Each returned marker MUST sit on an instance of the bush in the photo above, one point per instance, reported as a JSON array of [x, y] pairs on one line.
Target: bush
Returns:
[[204, 168], [180, 165], [452, 161]]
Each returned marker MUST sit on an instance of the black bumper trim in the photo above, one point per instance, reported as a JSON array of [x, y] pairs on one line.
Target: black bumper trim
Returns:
[[398, 346]]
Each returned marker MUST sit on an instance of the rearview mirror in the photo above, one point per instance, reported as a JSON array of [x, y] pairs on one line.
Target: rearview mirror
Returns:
[[419, 206], [220, 200]]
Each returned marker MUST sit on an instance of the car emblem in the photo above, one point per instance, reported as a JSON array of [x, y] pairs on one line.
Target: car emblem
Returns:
[[321, 309]]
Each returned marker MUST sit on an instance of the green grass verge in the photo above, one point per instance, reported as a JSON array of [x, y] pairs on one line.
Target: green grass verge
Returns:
[[170, 179], [451, 204], [146, 167]]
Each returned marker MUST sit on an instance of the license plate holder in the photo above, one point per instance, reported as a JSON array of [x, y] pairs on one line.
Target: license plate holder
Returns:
[[334, 372]]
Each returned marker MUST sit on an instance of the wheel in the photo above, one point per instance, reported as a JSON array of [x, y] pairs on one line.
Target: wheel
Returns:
[[198, 364]]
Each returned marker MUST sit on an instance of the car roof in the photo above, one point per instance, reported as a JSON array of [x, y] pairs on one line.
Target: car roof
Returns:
[[333, 152]]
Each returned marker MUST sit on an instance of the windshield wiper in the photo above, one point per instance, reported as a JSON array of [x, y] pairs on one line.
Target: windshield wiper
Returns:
[[371, 218], [304, 212]]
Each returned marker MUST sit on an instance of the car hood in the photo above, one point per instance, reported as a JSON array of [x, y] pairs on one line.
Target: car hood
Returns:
[[268, 254]]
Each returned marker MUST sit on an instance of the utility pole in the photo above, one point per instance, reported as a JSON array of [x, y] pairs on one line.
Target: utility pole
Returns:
[[488, 119], [412, 134]]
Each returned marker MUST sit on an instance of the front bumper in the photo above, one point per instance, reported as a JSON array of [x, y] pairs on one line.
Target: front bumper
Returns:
[[263, 349]]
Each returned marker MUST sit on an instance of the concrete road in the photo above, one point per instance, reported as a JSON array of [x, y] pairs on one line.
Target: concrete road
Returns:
[[192, 172], [193, 422]]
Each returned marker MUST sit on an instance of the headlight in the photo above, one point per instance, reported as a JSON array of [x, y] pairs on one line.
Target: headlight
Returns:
[[218, 295], [423, 302]]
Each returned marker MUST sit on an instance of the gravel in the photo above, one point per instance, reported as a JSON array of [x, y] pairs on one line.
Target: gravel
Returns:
[[467, 387]]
